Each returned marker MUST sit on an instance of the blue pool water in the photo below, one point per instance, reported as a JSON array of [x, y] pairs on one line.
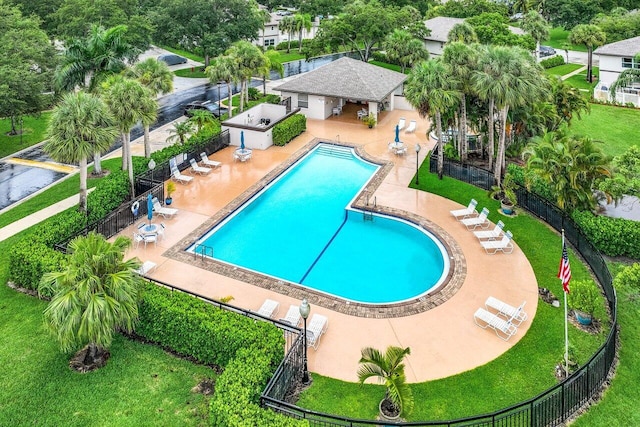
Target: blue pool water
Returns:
[[300, 229]]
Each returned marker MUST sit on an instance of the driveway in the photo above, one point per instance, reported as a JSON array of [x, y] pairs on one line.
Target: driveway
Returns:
[[179, 83]]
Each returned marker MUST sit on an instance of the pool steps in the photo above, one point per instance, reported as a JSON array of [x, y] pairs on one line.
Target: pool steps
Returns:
[[335, 151]]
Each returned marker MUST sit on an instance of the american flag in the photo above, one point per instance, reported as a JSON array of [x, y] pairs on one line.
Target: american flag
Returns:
[[564, 273]]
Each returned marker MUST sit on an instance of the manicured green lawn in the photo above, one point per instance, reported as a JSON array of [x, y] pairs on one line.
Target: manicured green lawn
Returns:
[[193, 73], [561, 70], [141, 384], [519, 374], [617, 127], [580, 80], [33, 132], [389, 66], [557, 39]]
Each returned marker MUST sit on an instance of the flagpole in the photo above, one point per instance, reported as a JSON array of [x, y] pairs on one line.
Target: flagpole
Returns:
[[566, 326]]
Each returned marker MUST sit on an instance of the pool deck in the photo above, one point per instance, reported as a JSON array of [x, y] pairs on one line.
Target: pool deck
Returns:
[[444, 340]]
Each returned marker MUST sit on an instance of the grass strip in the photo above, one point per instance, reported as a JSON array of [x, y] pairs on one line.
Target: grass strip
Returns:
[[33, 132], [562, 70]]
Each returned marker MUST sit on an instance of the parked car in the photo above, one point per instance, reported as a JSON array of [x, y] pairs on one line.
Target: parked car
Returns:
[[209, 106], [547, 51], [172, 59]]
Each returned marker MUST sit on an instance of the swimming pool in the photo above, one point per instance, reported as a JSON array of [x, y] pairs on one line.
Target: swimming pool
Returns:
[[300, 229]]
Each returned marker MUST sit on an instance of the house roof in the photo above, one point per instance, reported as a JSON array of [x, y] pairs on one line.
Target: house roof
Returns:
[[347, 78], [440, 27], [626, 48]]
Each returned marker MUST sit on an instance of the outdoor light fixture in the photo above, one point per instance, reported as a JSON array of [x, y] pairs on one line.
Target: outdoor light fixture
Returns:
[[152, 166], [417, 153], [305, 308]]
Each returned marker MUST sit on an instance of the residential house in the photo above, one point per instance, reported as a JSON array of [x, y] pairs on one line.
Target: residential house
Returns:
[[614, 59], [272, 35]]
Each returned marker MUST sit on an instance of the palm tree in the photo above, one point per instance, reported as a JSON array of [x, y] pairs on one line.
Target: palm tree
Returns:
[[462, 32], [80, 125], [572, 166], [130, 102], [224, 68], [302, 22], [273, 64], [430, 89], [462, 60], [537, 27], [89, 61], [521, 6], [180, 132], [288, 25], [404, 49], [155, 76], [94, 295], [249, 60], [626, 79], [591, 36], [388, 368], [201, 118], [568, 100]]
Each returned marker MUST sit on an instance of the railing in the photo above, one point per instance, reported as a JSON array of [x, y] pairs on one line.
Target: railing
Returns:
[[555, 405]]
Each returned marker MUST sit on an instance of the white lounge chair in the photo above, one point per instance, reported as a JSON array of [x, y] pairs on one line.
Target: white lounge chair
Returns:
[[401, 123], [412, 127], [485, 319], [490, 234], [515, 315], [466, 212], [146, 267], [316, 327], [493, 246], [269, 308], [293, 316], [201, 170], [146, 238], [162, 210], [210, 163], [479, 221], [182, 179]]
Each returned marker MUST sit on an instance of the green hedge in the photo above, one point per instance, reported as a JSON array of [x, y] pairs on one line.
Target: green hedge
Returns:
[[554, 61], [612, 236], [249, 350], [288, 129]]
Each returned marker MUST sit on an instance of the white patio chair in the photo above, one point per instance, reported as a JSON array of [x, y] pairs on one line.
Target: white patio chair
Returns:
[[162, 210], [269, 308], [490, 234], [466, 212], [316, 327], [412, 126], [293, 316], [182, 179], [479, 221], [201, 170], [515, 315], [401, 123], [210, 163], [504, 245], [161, 229], [146, 267], [503, 328]]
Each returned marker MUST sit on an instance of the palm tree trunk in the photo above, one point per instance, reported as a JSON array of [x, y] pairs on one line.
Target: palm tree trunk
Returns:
[[538, 50], [125, 152], [491, 131], [242, 85], [440, 145], [147, 143], [130, 163], [91, 354], [300, 40], [289, 44], [97, 163], [230, 99], [83, 185], [463, 126], [589, 67], [501, 145]]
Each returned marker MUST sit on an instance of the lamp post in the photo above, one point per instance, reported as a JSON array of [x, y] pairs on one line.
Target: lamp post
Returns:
[[305, 308], [417, 155], [152, 166]]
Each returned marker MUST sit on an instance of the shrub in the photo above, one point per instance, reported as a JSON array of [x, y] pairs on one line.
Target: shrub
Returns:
[[628, 279], [253, 93], [288, 129], [554, 61], [612, 236], [583, 296]]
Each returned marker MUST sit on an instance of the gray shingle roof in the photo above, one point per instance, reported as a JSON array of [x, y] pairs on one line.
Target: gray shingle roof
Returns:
[[440, 27], [626, 48], [347, 78]]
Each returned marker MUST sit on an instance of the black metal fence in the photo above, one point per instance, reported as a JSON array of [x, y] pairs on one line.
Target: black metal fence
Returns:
[[555, 405]]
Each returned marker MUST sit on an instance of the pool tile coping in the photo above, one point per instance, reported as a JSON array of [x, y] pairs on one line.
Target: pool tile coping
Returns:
[[432, 299]]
